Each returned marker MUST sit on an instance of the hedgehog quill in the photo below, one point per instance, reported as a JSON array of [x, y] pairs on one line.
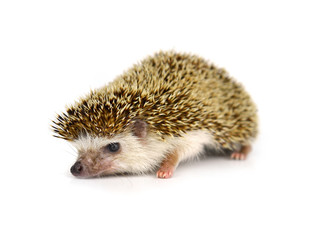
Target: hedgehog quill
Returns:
[[157, 114]]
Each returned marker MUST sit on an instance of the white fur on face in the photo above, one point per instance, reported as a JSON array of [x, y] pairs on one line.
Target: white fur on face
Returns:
[[145, 155], [135, 156]]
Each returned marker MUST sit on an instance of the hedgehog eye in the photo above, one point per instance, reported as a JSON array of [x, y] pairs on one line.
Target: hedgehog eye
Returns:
[[113, 147]]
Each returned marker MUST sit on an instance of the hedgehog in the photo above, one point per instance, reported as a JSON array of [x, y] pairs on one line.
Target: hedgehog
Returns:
[[164, 110]]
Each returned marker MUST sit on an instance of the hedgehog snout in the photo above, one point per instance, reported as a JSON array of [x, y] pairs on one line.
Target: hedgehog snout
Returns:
[[77, 169]]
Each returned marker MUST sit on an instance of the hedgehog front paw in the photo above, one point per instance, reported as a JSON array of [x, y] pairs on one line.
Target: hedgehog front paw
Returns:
[[165, 172], [168, 165]]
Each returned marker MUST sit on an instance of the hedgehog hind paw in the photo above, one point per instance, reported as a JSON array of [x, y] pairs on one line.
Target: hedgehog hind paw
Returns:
[[242, 153], [238, 156]]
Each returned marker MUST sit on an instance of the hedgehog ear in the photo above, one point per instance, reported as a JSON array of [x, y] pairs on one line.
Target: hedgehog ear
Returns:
[[140, 128]]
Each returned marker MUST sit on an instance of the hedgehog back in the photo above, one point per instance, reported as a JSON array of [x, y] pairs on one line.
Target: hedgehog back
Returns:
[[174, 93]]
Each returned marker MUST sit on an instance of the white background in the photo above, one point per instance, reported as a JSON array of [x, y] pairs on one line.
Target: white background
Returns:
[[52, 52]]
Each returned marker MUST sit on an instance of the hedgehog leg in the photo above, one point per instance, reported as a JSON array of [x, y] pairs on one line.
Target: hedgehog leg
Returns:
[[242, 153], [168, 166]]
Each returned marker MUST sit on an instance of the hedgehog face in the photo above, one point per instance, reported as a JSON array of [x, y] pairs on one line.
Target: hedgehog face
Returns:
[[96, 156], [133, 151]]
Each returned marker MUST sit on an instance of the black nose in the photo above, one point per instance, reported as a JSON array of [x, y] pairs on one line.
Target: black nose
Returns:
[[76, 169]]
